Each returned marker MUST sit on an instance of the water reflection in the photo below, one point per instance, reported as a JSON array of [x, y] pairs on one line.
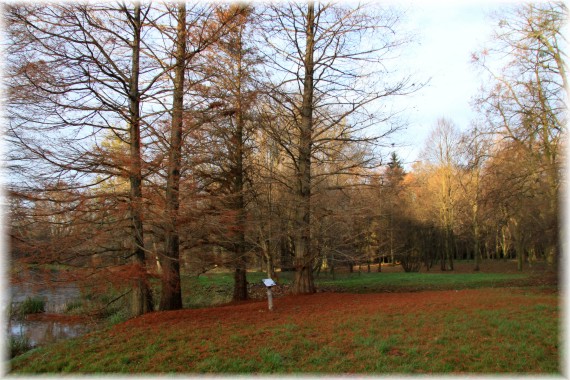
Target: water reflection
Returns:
[[45, 332], [55, 299]]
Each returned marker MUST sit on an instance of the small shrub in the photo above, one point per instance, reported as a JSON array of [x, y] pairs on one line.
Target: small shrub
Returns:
[[12, 310], [73, 305], [32, 305], [19, 345], [116, 318], [410, 260]]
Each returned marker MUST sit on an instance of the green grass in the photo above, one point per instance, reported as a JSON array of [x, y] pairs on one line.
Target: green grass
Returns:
[[518, 338], [396, 282], [31, 305], [18, 345], [74, 306], [504, 333], [213, 289], [216, 289], [103, 300], [116, 318]]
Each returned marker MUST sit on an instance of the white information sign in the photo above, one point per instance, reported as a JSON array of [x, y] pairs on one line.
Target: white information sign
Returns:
[[268, 282]]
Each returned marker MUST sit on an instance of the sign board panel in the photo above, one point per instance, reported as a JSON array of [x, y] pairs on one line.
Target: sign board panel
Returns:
[[268, 282]]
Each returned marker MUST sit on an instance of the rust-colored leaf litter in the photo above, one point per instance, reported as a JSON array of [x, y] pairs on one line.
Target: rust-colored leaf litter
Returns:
[[324, 306], [455, 331], [342, 323], [509, 329], [60, 318]]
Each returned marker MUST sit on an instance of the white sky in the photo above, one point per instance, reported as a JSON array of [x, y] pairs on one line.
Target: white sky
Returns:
[[447, 33]]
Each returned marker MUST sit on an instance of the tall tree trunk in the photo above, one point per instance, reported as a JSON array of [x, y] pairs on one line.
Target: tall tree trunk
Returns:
[[550, 152], [552, 248], [392, 260], [504, 243], [332, 260], [303, 258], [240, 278], [268, 257], [451, 247], [267, 247], [519, 242], [443, 255], [142, 297], [240, 270], [171, 297], [476, 237]]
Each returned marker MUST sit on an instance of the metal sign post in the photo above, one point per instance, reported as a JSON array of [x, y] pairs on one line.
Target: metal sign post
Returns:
[[269, 283]]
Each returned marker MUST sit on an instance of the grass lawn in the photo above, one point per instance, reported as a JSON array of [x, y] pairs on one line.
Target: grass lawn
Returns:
[[365, 323], [398, 282], [483, 330], [217, 288]]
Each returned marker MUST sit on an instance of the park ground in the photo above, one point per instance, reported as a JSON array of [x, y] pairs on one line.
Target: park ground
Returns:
[[493, 321]]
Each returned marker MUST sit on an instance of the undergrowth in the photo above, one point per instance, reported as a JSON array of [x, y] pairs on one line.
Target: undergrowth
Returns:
[[18, 345], [31, 305]]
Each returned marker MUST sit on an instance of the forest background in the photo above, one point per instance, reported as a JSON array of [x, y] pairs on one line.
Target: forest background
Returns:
[[146, 141]]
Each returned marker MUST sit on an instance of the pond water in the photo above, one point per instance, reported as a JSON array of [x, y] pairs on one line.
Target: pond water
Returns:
[[38, 333], [44, 331], [56, 298]]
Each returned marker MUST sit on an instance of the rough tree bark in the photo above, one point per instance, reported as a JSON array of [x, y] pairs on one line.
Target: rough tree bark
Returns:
[[171, 296], [142, 297], [240, 279], [304, 282]]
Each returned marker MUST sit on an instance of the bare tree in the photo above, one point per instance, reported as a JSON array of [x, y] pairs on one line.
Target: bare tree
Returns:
[[475, 148], [92, 54], [442, 150], [231, 68], [171, 297], [325, 81], [525, 99]]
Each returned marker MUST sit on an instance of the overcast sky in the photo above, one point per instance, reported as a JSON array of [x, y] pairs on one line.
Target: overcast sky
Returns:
[[447, 34]]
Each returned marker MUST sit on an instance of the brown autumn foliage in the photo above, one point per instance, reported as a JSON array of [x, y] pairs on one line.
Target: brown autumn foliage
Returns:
[[114, 178]]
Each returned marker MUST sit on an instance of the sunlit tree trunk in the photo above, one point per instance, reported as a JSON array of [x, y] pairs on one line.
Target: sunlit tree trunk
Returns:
[[267, 257], [476, 237]]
